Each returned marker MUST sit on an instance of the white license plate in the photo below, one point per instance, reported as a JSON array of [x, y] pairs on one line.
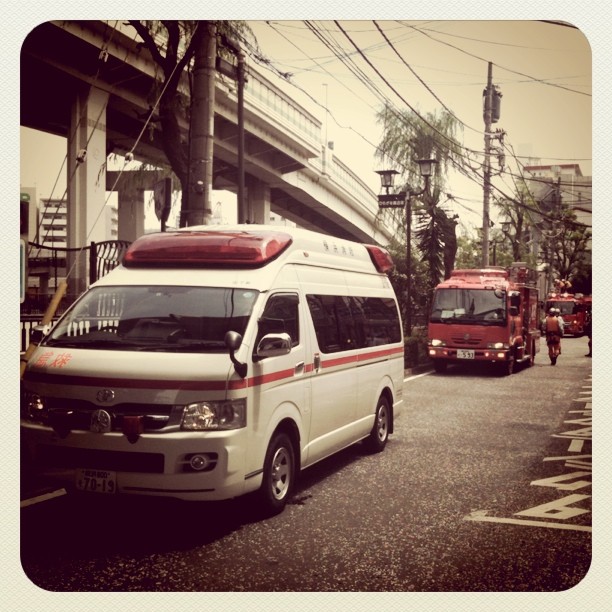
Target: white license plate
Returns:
[[465, 354], [96, 481]]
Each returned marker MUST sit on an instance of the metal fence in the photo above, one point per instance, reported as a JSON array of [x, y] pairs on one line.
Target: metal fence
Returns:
[[102, 258]]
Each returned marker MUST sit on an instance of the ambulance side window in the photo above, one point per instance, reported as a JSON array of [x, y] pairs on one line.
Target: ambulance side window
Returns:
[[343, 323], [280, 315]]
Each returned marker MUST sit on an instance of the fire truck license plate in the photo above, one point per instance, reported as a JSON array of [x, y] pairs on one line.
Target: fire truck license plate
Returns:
[[465, 354], [96, 481]]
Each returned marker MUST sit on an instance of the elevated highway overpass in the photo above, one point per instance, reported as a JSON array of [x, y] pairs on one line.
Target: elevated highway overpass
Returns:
[[94, 84]]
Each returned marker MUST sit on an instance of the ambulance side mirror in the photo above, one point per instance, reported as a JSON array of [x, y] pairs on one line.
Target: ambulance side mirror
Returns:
[[273, 345], [233, 340]]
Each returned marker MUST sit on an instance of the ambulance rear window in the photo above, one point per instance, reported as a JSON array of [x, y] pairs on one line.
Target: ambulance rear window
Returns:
[[205, 249]]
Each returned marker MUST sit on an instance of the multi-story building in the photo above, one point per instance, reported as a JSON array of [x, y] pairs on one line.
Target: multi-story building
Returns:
[[48, 229], [563, 183], [554, 186]]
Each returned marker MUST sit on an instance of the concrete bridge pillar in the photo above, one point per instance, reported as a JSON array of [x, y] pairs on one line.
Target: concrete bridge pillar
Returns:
[[130, 201], [258, 201], [86, 180]]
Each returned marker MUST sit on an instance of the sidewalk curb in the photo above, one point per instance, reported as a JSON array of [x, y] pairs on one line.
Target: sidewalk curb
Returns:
[[426, 367]]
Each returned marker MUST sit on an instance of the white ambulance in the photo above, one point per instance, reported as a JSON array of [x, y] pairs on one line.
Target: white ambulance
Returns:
[[218, 361]]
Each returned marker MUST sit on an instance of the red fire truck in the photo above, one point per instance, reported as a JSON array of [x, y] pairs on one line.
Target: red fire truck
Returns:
[[485, 315], [573, 309]]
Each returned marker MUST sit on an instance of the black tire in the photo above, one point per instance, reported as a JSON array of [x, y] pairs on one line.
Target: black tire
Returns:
[[506, 368], [532, 356], [278, 474], [377, 440], [439, 365]]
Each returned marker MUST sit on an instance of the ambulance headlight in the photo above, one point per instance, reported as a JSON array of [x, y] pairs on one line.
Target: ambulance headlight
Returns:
[[33, 406], [436, 342], [206, 416]]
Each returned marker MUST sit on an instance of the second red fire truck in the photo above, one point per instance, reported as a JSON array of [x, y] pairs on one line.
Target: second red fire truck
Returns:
[[573, 308], [485, 315]]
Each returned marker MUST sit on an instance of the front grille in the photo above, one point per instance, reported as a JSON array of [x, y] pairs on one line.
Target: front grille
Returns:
[[75, 414], [461, 341], [117, 461]]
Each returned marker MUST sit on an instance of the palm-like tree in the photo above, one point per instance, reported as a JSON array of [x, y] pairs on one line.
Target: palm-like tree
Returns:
[[408, 137]]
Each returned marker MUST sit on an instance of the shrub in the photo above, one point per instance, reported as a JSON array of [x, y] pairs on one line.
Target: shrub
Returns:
[[415, 348]]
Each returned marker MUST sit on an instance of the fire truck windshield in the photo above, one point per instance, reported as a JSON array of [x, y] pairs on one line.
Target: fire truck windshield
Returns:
[[566, 307], [480, 306]]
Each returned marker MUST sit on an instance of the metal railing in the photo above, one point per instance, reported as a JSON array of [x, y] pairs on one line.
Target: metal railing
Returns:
[[103, 257]]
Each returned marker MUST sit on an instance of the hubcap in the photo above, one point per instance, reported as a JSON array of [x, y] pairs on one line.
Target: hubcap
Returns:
[[381, 423], [281, 473]]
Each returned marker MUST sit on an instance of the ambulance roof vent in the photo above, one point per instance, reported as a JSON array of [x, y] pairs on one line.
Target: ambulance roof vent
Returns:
[[206, 249]]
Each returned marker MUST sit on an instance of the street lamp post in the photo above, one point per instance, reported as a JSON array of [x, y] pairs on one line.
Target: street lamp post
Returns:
[[505, 227], [403, 199]]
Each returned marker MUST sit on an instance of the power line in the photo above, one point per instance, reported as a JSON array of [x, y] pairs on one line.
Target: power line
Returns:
[[467, 169], [420, 79], [531, 78]]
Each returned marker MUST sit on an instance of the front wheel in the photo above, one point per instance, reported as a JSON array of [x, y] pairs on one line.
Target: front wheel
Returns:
[[506, 368], [377, 440], [439, 365], [533, 354], [278, 474]]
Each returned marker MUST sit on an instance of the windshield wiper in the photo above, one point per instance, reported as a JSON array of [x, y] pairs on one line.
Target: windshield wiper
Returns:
[[83, 342], [181, 346]]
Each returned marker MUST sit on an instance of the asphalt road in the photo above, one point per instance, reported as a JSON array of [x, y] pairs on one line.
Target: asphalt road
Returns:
[[484, 487]]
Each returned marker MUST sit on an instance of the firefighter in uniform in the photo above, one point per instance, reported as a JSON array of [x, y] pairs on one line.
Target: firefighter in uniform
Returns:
[[554, 332]]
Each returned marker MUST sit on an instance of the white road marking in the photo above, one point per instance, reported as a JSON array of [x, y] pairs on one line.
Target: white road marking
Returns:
[[586, 433], [585, 421], [575, 462], [556, 481], [41, 498], [559, 509], [510, 521], [417, 376], [576, 446]]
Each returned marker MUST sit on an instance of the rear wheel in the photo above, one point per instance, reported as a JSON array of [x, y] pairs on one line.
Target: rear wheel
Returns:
[[278, 475], [377, 440]]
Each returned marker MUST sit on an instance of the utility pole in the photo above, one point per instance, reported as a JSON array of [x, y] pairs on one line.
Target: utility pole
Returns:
[[243, 212], [491, 113], [202, 129], [487, 116], [238, 73]]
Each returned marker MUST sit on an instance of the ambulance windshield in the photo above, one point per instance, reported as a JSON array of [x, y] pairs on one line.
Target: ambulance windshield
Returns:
[[161, 318], [480, 306]]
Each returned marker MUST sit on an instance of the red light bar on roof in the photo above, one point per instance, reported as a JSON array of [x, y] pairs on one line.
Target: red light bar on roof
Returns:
[[206, 249], [380, 258]]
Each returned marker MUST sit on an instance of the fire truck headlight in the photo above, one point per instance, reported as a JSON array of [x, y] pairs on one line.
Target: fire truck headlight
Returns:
[[206, 416], [436, 342], [498, 345]]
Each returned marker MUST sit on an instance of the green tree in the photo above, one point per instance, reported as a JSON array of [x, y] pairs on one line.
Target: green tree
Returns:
[[469, 252], [565, 247], [545, 230], [521, 213], [408, 137]]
